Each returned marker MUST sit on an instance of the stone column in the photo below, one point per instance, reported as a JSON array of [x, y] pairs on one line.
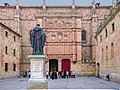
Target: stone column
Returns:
[[74, 45], [37, 68]]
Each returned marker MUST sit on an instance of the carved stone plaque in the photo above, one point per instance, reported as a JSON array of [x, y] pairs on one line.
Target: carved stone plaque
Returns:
[[37, 69]]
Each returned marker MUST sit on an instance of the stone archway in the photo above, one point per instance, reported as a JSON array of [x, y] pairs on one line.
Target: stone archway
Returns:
[[53, 65]]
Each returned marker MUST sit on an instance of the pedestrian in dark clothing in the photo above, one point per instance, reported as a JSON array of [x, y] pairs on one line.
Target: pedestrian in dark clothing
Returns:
[[108, 77], [64, 74], [69, 74], [47, 74], [52, 76], [59, 74], [55, 75]]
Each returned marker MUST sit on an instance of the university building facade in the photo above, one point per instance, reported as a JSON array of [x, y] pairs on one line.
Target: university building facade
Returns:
[[108, 47], [70, 32]]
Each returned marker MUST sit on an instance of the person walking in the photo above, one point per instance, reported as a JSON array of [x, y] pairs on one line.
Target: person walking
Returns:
[[62, 74], [50, 75], [73, 73], [29, 74], [53, 75], [67, 74], [59, 74], [47, 74]]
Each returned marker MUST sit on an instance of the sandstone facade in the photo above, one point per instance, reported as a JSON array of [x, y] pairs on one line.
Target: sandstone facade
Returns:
[[108, 47], [9, 52], [63, 26]]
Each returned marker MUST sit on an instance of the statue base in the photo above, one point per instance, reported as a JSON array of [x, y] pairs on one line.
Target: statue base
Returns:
[[38, 78], [37, 84]]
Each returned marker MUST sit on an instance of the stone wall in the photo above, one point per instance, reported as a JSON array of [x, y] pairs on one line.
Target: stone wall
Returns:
[[62, 26], [108, 48], [9, 57], [88, 69]]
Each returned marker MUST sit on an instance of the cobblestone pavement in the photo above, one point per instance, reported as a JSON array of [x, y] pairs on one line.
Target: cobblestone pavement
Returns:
[[72, 83], [13, 84]]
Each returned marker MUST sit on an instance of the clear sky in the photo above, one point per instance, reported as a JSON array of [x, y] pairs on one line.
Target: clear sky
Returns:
[[55, 2]]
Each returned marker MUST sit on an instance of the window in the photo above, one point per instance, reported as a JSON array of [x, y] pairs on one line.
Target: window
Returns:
[[14, 39], [83, 35], [14, 67], [112, 50], [6, 33], [14, 52], [102, 54], [106, 33], [100, 38], [6, 50], [6, 67], [113, 27], [107, 53]]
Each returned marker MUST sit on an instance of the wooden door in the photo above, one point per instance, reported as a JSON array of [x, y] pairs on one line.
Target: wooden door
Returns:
[[66, 64]]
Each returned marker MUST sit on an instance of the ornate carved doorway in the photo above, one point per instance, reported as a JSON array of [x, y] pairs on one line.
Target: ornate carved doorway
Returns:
[[53, 65], [66, 64]]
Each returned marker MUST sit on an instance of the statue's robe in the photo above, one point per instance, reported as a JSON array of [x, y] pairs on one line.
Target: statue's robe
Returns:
[[37, 41]]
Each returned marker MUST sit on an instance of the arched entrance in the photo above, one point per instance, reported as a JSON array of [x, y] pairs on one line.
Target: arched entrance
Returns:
[[98, 70], [66, 64], [53, 65]]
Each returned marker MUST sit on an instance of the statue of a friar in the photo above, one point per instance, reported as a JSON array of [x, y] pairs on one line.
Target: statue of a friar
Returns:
[[38, 39]]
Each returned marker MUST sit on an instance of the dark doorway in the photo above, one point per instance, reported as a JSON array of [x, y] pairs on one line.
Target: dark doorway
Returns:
[[98, 70], [66, 64], [53, 65]]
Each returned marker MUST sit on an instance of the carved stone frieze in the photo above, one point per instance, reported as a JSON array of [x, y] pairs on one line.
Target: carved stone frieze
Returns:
[[59, 36], [58, 13], [59, 23], [86, 52], [60, 57]]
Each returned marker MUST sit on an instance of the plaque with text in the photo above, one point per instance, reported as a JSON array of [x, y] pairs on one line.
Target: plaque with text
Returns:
[[37, 69]]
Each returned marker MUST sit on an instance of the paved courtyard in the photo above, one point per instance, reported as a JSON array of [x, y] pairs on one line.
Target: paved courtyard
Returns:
[[72, 83]]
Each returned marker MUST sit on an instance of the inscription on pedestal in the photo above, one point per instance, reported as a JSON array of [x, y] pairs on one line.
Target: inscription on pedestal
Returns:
[[37, 80], [37, 69]]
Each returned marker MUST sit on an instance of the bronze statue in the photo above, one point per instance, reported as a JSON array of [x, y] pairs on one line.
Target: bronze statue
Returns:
[[37, 39]]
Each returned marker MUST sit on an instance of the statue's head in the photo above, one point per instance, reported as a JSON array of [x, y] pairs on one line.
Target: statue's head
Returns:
[[37, 25]]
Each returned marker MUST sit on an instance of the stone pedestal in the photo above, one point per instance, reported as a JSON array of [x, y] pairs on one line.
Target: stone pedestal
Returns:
[[37, 67]]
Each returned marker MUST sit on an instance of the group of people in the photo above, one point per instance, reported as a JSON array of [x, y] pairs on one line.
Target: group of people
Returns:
[[27, 74], [60, 74], [55, 75]]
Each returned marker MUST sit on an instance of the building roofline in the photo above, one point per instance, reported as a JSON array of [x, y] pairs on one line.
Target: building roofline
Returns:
[[7, 7], [10, 29], [107, 20], [54, 7]]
